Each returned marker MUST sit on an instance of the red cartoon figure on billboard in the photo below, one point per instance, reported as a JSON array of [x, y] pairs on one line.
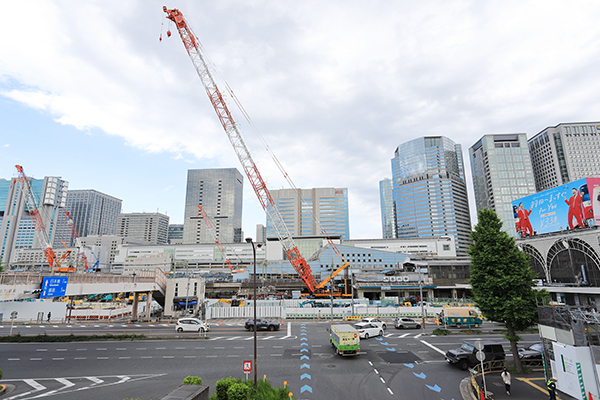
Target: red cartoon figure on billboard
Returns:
[[575, 204], [523, 214]]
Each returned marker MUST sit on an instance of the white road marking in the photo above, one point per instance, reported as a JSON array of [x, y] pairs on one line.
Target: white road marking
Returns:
[[442, 352]]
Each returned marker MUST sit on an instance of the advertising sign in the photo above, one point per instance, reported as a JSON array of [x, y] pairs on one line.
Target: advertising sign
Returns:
[[570, 206], [54, 286]]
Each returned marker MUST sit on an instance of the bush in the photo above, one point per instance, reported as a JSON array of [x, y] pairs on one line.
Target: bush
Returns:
[[222, 387], [0, 374], [440, 332], [238, 391], [192, 380]]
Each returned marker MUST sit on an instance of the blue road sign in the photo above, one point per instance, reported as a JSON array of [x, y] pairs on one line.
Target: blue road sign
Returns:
[[54, 286]]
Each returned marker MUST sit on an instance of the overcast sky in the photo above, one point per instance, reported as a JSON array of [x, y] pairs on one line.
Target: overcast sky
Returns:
[[89, 93]]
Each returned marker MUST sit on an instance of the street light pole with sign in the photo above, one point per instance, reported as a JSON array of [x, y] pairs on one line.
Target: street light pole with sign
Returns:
[[254, 246], [481, 356]]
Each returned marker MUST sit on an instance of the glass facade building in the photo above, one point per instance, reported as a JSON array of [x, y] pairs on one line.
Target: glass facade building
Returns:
[[388, 209], [220, 193], [92, 212], [564, 153], [308, 212], [501, 169], [175, 234], [430, 192], [17, 229]]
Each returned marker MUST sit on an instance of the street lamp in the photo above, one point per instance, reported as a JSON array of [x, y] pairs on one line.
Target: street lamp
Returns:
[[254, 246]]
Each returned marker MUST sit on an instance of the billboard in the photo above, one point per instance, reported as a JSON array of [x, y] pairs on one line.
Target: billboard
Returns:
[[570, 206], [54, 286]]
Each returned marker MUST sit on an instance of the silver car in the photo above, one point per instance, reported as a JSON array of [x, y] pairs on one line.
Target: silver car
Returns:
[[405, 323]]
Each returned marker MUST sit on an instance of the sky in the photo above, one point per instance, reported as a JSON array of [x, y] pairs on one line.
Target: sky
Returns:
[[89, 93]]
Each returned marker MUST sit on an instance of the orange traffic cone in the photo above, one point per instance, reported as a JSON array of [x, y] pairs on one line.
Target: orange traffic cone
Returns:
[[219, 322]]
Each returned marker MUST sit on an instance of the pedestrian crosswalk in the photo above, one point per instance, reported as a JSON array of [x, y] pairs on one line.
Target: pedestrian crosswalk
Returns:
[[44, 387]]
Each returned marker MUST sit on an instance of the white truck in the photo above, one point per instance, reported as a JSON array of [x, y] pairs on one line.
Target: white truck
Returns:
[[345, 339]]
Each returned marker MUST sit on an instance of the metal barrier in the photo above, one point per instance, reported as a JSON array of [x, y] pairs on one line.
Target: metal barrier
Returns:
[[476, 373]]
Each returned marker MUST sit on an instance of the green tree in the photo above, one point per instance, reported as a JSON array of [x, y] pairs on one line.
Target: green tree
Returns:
[[501, 280]]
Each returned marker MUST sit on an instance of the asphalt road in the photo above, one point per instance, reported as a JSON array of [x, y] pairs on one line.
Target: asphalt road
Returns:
[[401, 365]]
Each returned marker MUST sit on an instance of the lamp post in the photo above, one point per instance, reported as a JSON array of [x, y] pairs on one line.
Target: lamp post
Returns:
[[254, 246]]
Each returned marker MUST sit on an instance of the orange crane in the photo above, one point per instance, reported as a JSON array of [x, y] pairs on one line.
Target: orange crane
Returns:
[[213, 232], [38, 221], [193, 47]]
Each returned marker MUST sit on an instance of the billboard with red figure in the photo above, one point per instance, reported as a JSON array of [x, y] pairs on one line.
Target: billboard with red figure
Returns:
[[570, 206]]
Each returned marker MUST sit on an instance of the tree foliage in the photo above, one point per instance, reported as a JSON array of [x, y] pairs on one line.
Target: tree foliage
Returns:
[[501, 279]]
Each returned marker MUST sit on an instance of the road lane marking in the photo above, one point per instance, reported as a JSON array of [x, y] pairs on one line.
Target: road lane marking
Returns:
[[41, 350], [124, 358], [141, 348], [233, 338], [94, 379], [35, 359], [57, 358], [101, 358], [14, 359], [442, 352], [81, 358], [121, 348]]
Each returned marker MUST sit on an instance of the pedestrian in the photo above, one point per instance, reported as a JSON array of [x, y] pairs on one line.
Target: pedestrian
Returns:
[[552, 388], [506, 378], [49, 315]]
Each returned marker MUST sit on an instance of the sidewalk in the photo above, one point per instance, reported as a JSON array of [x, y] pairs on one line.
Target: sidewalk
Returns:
[[523, 387]]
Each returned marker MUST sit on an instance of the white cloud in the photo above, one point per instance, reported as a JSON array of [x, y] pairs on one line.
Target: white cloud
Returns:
[[334, 87]]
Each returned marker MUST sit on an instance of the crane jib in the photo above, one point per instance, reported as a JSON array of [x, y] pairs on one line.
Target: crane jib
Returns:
[[192, 46]]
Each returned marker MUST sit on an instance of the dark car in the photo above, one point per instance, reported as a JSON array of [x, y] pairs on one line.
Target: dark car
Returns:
[[465, 355], [533, 352], [261, 324]]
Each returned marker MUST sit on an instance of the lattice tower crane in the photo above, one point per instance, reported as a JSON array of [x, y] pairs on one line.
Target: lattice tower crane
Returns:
[[38, 221], [78, 245], [196, 53]]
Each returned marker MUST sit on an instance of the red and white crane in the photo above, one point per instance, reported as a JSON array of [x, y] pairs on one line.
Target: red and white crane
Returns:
[[213, 233], [194, 49], [78, 245], [38, 221]]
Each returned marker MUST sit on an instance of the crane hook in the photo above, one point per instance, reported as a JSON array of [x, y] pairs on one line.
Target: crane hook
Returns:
[[169, 33]]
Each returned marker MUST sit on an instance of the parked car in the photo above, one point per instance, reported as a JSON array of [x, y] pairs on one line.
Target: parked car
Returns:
[[533, 352], [367, 329], [375, 321], [404, 323], [191, 325], [465, 355], [261, 325]]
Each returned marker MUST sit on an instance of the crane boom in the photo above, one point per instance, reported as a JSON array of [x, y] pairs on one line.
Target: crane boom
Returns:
[[211, 228], [78, 244], [38, 221], [193, 47]]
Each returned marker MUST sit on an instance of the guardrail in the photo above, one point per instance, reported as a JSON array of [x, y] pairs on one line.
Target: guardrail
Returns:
[[475, 372]]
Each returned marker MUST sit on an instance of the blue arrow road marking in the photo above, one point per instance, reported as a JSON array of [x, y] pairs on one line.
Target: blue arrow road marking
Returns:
[[303, 350], [380, 339], [303, 344], [301, 339], [305, 376], [384, 344], [435, 388], [409, 365], [421, 375], [305, 366], [392, 349], [305, 388], [305, 357]]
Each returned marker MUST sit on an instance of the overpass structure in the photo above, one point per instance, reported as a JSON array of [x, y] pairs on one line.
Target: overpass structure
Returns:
[[22, 286]]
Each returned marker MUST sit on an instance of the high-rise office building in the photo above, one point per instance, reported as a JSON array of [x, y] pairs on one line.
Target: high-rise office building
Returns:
[[430, 193], [92, 212], [175, 235], [17, 229], [501, 169], [388, 210], [309, 212], [565, 153], [151, 227], [219, 192]]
